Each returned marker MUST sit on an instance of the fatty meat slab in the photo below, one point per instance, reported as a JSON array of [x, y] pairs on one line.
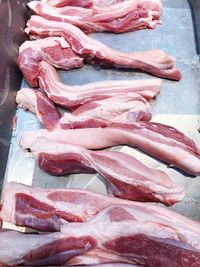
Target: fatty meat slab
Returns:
[[80, 3], [121, 17], [48, 209], [71, 97], [155, 62], [123, 231], [38, 103], [120, 108], [158, 140], [54, 50], [125, 176]]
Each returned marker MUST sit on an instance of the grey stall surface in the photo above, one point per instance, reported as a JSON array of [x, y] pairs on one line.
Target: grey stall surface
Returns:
[[178, 104]]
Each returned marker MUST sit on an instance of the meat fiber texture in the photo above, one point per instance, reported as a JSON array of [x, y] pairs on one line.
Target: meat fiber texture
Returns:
[[54, 50], [120, 17], [48, 209], [132, 234], [71, 97], [158, 140], [125, 108], [155, 62], [80, 3], [120, 108], [37, 102], [50, 82], [125, 176]]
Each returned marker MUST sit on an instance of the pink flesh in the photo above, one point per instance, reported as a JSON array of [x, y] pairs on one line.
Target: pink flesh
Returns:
[[38, 103], [48, 209], [121, 17], [100, 257], [143, 238], [160, 141], [62, 3], [121, 108], [80, 3], [54, 50], [125, 108], [126, 177], [155, 62], [72, 97]]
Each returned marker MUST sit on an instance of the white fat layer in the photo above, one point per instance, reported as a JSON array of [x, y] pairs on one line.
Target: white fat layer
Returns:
[[37, 45]]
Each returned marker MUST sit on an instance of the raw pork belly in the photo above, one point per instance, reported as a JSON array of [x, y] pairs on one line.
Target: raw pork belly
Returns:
[[48, 209], [155, 62], [80, 3], [158, 140], [71, 97], [121, 108], [125, 108], [121, 17], [38, 103], [126, 177], [54, 50], [131, 233]]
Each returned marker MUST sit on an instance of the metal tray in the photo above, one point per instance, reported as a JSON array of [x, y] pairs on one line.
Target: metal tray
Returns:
[[178, 104]]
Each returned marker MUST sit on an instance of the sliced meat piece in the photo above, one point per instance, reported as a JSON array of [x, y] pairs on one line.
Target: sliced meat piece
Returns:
[[121, 17], [62, 3], [71, 97], [158, 140], [100, 258], [131, 233], [121, 108], [38, 103], [125, 176], [54, 50], [43, 249], [47, 209], [155, 62], [80, 3]]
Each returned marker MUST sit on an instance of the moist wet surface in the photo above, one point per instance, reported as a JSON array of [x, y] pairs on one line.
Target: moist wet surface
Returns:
[[177, 105]]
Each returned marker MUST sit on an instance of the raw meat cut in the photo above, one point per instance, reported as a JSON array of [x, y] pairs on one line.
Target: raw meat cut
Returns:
[[125, 108], [125, 176], [121, 108], [71, 97], [54, 50], [38, 103], [131, 233], [85, 3], [48, 209], [121, 17], [99, 258], [158, 140], [155, 62]]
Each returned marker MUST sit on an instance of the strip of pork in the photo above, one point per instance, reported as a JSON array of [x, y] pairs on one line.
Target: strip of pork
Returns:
[[155, 62], [80, 3], [38, 103], [54, 50], [121, 108], [47, 209], [71, 97], [121, 17], [158, 140], [131, 233], [125, 176]]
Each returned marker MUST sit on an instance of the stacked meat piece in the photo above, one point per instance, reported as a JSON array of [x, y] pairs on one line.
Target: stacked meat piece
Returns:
[[102, 229], [87, 228]]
